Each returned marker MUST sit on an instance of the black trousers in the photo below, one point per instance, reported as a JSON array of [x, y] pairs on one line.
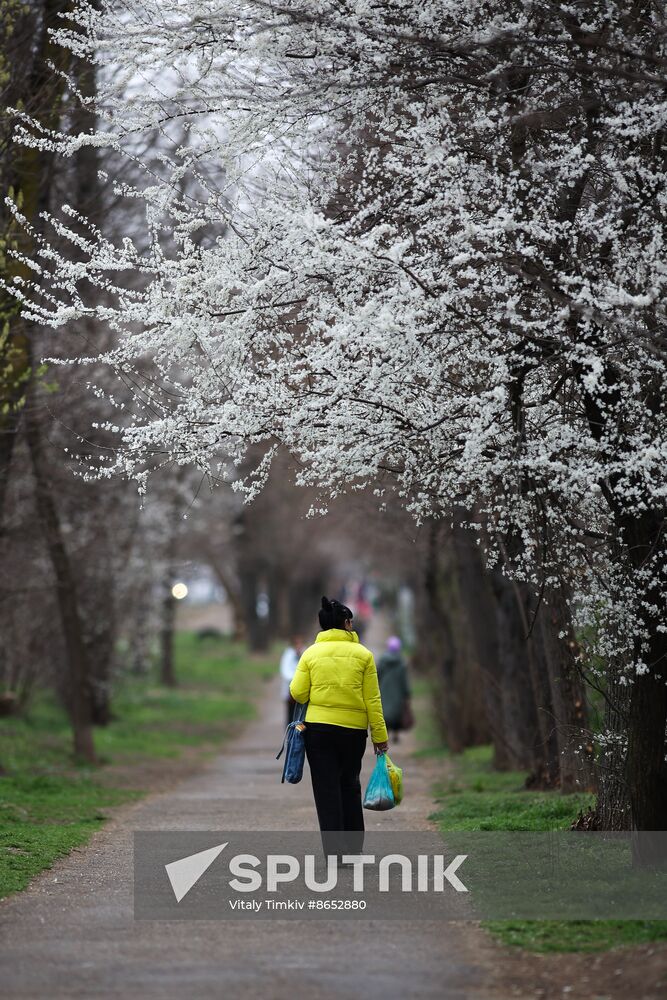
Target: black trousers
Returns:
[[334, 756]]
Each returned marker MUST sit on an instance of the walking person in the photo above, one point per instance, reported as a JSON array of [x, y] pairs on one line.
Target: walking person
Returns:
[[338, 679], [288, 665], [394, 687]]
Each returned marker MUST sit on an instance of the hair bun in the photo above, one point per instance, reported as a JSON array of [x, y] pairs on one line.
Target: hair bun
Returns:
[[326, 604]]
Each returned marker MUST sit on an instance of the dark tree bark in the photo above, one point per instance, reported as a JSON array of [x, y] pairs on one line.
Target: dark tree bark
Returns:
[[231, 589], [568, 696], [168, 602], [481, 620], [647, 717], [28, 173], [445, 647], [100, 648], [519, 707], [546, 772], [257, 629], [77, 687], [252, 572], [520, 618], [613, 810], [640, 550], [167, 630]]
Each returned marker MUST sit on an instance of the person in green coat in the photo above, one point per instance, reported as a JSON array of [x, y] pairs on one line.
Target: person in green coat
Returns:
[[394, 686]]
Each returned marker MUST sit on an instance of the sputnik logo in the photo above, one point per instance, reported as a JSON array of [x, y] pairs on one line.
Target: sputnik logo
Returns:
[[186, 872], [281, 868]]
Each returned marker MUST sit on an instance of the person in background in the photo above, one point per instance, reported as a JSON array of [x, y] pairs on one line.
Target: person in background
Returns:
[[363, 616], [288, 664], [394, 687], [338, 679]]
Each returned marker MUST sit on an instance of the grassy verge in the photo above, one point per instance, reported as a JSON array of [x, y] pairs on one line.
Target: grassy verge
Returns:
[[48, 806], [472, 796]]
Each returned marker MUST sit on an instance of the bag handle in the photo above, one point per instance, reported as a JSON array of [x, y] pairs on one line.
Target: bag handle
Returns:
[[299, 716], [300, 713], [280, 752]]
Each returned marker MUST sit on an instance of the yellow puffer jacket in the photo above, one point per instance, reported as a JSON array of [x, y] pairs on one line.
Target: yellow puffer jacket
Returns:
[[337, 674]]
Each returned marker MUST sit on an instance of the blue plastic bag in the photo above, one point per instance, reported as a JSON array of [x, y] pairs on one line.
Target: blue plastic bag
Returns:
[[294, 747], [379, 792]]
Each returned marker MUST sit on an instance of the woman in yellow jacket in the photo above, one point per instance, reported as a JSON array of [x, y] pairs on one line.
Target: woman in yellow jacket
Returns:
[[338, 679]]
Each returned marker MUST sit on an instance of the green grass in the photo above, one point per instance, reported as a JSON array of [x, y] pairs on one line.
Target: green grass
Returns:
[[479, 798], [475, 797], [49, 806], [577, 935]]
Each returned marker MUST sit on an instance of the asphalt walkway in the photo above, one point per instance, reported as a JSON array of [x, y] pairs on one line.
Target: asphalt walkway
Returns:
[[72, 933]]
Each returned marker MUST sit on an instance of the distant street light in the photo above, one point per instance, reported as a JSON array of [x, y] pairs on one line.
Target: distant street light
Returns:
[[179, 591]]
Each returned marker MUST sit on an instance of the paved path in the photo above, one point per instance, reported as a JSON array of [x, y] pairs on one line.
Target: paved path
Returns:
[[72, 933]]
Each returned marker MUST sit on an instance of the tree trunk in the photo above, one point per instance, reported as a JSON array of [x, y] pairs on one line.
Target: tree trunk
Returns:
[[519, 708], [256, 627], [546, 772], [647, 774], [30, 176], [78, 695], [521, 618], [446, 649], [568, 697], [233, 596], [647, 717], [613, 804], [250, 571], [100, 654], [167, 629], [479, 602], [8, 425]]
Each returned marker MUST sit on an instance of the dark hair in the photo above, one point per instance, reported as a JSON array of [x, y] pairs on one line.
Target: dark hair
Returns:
[[333, 614]]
